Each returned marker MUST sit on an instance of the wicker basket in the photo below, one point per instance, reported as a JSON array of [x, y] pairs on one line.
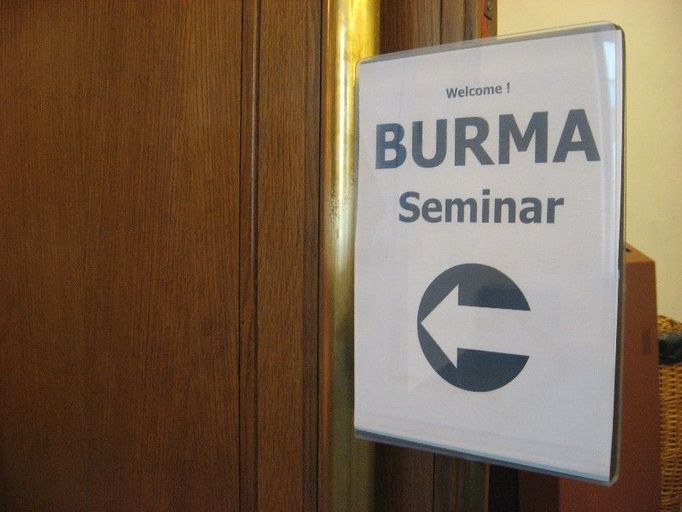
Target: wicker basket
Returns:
[[670, 385]]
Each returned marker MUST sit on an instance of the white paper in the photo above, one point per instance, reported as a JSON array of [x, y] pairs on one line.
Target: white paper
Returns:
[[561, 253]]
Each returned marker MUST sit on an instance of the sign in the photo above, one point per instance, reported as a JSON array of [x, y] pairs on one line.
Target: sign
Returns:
[[488, 250]]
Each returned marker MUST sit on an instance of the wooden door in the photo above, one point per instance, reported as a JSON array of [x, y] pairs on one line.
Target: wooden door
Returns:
[[119, 270], [159, 197]]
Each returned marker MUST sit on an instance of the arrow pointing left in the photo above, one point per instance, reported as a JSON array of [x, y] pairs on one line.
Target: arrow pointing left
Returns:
[[455, 327]]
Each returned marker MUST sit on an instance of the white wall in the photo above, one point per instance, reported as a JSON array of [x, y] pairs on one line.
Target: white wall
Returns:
[[653, 49]]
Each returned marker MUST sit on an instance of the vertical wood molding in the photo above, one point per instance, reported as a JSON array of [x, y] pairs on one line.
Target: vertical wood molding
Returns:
[[473, 10], [287, 187], [453, 21], [248, 271], [311, 228], [350, 33]]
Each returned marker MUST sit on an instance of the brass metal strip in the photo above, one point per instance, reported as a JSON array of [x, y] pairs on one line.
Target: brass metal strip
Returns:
[[351, 32]]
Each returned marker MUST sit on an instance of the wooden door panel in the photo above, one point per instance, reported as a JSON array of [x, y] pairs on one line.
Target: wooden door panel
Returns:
[[287, 180], [119, 269], [159, 196]]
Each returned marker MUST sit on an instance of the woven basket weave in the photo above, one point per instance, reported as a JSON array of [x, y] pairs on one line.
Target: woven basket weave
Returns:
[[670, 391]]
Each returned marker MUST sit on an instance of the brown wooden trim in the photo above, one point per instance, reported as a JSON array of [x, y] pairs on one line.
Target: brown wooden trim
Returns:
[[492, 23], [407, 25], [248, 201], [287, 231], [452, 21], [311, 226], [472, 23]]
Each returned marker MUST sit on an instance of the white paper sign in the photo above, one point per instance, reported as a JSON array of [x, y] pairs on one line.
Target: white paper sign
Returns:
[[488, 250]]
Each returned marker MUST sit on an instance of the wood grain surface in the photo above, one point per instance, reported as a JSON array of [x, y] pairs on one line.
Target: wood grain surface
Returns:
[[159, 195], [287, 248], [119, 285]]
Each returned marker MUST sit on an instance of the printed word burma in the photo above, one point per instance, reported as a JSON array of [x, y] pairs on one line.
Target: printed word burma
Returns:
[[470, 134], [529, 210]]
